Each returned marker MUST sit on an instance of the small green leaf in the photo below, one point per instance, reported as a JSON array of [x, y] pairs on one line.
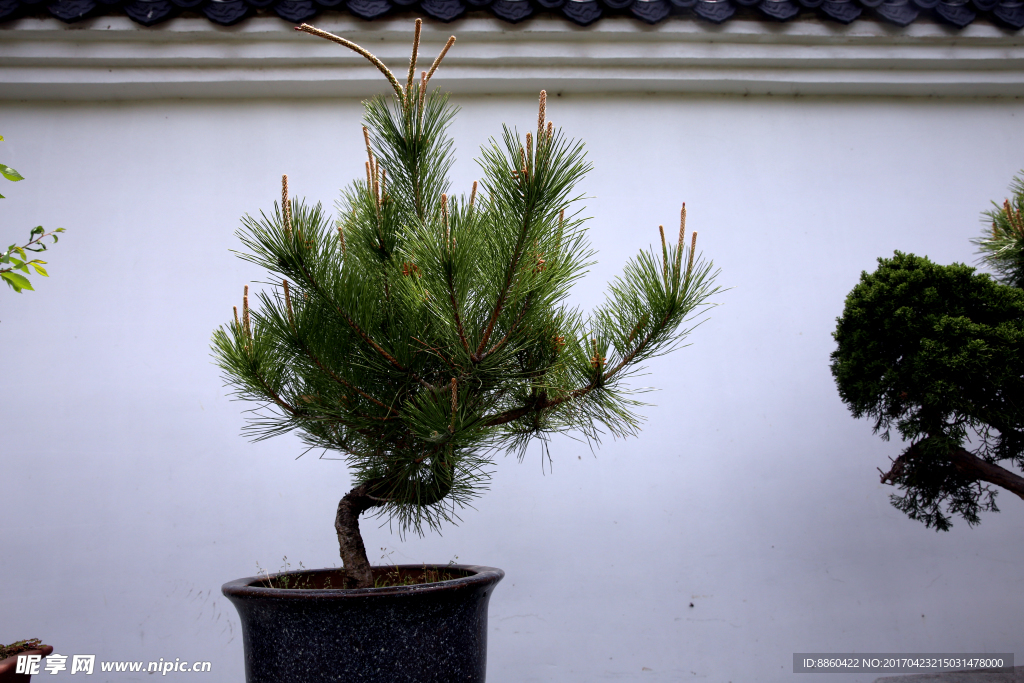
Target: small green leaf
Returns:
[[40, 269], [38, 230], [59, 230], [10, 173], [19, 282], [2, 197], [1, 138]]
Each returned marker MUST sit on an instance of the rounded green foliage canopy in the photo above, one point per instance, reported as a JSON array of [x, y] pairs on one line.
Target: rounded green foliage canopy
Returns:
[[936, 352]]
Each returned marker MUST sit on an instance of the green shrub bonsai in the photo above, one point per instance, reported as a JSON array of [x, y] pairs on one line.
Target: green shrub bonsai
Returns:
[[938, 353], [421, 332]]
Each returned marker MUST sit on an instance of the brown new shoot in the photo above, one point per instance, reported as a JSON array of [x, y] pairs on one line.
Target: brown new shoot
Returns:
[[597, 361], [312, 30], [288, 304], [286, 207], [245, 313], [415, 53], [437, 62]]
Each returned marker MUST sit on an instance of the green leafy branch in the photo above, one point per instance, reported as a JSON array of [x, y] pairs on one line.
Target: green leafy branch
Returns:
[[8, 172], [17, 258]]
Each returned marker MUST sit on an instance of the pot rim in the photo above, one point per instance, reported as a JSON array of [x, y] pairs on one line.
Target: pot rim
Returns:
[[478, 575]]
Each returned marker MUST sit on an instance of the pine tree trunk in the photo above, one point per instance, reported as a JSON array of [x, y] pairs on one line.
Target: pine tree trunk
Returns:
[[350, 541]]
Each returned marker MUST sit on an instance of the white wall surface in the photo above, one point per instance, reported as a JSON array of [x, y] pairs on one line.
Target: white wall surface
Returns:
[[128, 496]]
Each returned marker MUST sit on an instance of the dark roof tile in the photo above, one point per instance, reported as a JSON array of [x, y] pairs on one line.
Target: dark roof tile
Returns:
[[779, 10], [369, 9], [71, 10], [150, 12], [9, 9], [512, 11], [582, 12], [715, 11], [958, 13], [1010, 14], [443, 10], [226, 12], [843, 11], [651, 11], [296, 11], [899, 12]]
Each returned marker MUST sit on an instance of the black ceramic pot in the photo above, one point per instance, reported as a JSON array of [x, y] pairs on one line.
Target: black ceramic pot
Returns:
[[423, 633]]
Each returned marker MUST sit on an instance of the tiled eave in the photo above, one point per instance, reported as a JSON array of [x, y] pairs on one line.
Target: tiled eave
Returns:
[[116, 58], [959, 13]]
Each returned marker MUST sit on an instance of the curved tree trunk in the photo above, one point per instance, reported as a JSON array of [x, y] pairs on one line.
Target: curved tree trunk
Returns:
[[971, 467], [976, 468], [350, 541]]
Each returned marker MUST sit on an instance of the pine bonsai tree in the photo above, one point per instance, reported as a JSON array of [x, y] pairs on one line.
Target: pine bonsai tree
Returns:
[[938, 353], [422, 332]]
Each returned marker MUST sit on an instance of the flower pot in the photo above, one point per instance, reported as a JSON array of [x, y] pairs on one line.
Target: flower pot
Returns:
[[421, 633], [9, 666]]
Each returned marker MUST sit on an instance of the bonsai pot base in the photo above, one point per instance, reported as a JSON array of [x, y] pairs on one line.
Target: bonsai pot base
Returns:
[[419, 633]]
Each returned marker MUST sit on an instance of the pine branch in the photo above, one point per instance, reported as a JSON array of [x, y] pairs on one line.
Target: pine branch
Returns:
[[455, 312], [511, 329], [499, 305], [316, 361], [314, 285], [272, 395]]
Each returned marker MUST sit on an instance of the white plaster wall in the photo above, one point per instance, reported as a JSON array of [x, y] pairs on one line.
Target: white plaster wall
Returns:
[[128, 496]]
